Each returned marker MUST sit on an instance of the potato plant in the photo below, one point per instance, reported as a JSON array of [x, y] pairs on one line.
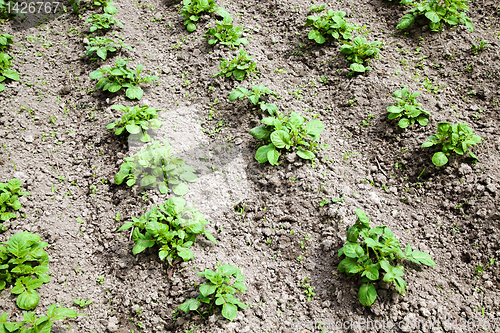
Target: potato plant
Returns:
[[281, 132], [226, 33], [103, 22], [359, 52], [438, 12], [5, 71], [219, 290], [193, 9], [330, 24], [5, 41], [254, 96], [456, 138], [239, 67], [155, 166], [23, 263], [119, 77], [9, 198], [173, 226], [136, 121], [368, 251], [33, 324], [101, 46], [407, 109]]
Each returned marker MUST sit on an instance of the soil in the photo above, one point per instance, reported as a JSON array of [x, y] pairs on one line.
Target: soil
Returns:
[[267, 219]]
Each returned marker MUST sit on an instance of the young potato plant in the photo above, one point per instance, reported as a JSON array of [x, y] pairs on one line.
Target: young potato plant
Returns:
[[286, 132], [33, 324], [114, 78], [173, 226], [155, 166], [136, 121], [5, 71], [329, 24], [23, 262], [9, 198], [407, 109], [193, 9], [438, 12], [358, 52], [219, 290], [254, 96], [107, 6], [367, 251], [101, 46], [239, 67], [457, 138], [5, 14], [226, 33], [102, 22], [5, 41]]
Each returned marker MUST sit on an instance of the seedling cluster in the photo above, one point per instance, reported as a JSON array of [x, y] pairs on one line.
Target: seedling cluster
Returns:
[[407, 109], [136, 121], [368, 250]]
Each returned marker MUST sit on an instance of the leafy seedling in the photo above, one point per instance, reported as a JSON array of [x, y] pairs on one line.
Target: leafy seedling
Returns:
[[316, 8], [226, 33], [136, 121], [308, 289], [219, 290], [438, 12], [107, 6], [193, 9], [81, 302], [173, 226], [155, 166], [330, 24], [118, 77], [457, 138], [101, 46], [254, 96], [9, 198], [102, 22], [32, 324], [23, 262], [407, 109], [5, 41], [358, 52], [5, 71], [367, 251], [475, 49], [239, 67], [286, 132]]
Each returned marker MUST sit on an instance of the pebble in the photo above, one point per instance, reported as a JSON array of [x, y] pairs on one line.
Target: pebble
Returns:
[[113, 324]]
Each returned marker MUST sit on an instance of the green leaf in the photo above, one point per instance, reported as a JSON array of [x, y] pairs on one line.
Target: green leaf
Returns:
[[125, 226], [280, 139], [134, 92], [260, 132], [261, 153], [273, 156], [133, 129], [314, 128], [207, 289], [439, 159], [188, 177], [422, 258], [422, 120], [180, 189], [28, 300], [229, 311], [362, 218], [357, 68], [190, 305], [406, 21], [96, 74], [432, 15], [239, 74], [404, 122], [371, 272], [367, 294], [305, 154]]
